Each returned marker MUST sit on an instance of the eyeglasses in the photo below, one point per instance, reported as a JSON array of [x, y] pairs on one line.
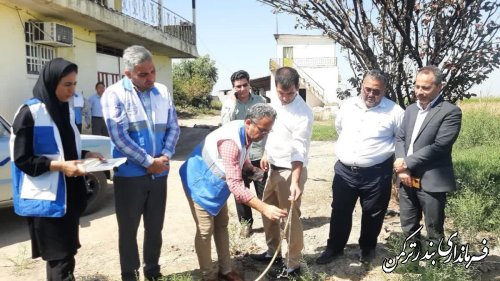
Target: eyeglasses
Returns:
[[241, 86], [375, 92], [261, 130]]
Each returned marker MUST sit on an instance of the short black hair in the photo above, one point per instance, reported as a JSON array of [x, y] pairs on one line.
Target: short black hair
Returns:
[[99, 83], [238, 75], [286, 77]]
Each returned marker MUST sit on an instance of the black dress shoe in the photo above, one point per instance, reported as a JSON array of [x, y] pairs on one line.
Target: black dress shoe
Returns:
[[328, 256], [264, 257], [366, 256]]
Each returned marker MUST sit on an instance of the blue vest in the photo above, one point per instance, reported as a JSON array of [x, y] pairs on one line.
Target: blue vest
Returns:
[[139, 129], [203, 174], [43, 195]]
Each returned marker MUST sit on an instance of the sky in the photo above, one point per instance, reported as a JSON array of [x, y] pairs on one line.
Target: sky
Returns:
[[239, 34]]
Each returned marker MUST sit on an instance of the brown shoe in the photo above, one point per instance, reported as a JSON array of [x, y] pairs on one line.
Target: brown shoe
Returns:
[[231, 276]]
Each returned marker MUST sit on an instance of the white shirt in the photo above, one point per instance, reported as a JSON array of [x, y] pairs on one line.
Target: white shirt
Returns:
[[367, 135], [290, 137], [421, 114]]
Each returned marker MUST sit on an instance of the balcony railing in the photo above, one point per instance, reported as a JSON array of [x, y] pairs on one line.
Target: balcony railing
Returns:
[[306, 79], [152, 13]]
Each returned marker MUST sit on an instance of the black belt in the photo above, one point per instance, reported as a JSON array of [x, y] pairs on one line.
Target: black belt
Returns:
[[357, 169], [98, 117], [278, 168]]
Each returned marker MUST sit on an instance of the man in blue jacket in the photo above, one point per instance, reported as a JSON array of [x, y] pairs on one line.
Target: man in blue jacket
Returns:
[[142, 123]]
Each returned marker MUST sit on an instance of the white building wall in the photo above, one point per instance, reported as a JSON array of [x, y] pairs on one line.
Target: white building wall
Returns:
[[109, 64], [309, 47]]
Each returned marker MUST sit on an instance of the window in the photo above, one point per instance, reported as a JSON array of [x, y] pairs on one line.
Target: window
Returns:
[[36, 55], [288, 56]]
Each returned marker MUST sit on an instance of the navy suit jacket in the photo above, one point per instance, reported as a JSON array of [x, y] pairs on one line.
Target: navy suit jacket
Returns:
[[431, 158]]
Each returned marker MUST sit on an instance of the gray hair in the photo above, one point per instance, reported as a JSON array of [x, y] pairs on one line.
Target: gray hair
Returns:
[[438, 74], [378, 75], [134, 55], [259, 111], [286, 77]]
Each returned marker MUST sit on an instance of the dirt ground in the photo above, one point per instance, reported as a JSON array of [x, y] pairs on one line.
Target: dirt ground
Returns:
[[98, 258]]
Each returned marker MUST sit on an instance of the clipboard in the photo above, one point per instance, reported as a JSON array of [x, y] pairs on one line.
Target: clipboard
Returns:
[[97, 165]]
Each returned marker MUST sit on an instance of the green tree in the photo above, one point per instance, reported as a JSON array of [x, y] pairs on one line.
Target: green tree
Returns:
[[193, 81], [400, 36]]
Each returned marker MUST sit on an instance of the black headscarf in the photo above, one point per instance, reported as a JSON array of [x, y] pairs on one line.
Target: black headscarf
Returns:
[[45, 91]]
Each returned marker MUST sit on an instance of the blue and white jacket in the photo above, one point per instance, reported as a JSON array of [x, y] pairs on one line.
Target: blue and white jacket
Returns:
[[203, 174], [132, 134], [43, 195]]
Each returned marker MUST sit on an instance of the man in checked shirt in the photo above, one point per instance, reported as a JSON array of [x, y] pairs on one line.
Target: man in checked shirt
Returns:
[[211, 173], [142, 123]]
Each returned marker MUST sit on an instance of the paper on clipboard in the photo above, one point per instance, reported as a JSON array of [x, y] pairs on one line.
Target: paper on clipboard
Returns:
[[97, 165]]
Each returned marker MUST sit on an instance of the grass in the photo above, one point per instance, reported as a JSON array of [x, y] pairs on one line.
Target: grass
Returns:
[[323, 131], [475, 207], [238, 245], [191, 111], [22, 260]]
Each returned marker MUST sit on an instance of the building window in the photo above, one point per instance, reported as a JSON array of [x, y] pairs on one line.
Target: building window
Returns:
[[288, 56], [36, 55]]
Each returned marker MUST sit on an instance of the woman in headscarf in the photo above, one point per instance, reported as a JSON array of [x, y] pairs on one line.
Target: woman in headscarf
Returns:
[[48, 183]]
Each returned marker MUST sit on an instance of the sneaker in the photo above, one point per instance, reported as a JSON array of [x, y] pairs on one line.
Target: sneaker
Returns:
[[366, 256], [264, 257], [328, 256], [284, 273]]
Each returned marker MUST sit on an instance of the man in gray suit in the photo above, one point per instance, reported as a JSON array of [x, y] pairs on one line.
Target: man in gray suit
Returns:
[[423, 155]]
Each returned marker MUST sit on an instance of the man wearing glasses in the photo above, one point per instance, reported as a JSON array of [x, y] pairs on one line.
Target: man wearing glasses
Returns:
[[367, 126], [236, 109], [211, 173]]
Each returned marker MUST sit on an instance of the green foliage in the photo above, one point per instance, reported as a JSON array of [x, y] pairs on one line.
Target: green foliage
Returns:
[[475, 207], [323, 131], [480, 126], [442, 272], [178, 277], [193, 81]]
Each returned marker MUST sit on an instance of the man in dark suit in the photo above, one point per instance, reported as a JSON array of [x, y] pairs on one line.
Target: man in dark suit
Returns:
[[423, 155]]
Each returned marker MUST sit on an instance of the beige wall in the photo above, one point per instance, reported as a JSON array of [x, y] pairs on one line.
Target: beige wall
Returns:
[[17, 85]]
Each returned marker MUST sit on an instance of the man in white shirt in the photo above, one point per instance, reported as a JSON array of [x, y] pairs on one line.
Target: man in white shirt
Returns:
[[95, 110], [367, 126], [286, 154], [79, 104]]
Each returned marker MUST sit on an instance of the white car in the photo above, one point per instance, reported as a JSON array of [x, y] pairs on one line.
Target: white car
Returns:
[[96, 183]]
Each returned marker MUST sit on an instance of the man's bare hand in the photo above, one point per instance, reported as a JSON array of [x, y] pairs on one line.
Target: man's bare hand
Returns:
[[295, 192], [405, 177], [264, 165], [274, 213], [399, 165], [160, 165]]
